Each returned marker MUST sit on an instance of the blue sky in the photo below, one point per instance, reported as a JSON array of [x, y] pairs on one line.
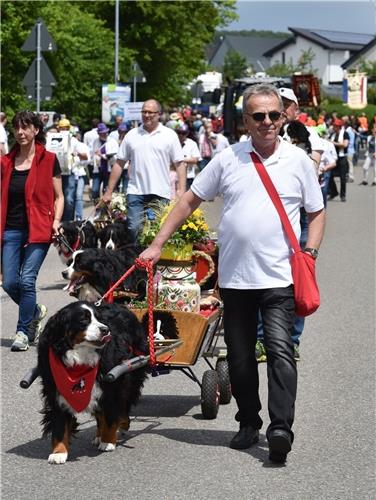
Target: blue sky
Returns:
[[276, 15]]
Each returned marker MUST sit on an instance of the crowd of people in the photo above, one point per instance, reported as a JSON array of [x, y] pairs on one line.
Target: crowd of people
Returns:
[[184, 156]]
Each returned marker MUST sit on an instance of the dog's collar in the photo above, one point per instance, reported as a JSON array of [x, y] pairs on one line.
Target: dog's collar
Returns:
[[74, 383]]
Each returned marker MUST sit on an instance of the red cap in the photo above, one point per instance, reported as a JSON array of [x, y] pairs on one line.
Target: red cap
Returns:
[[337, 122]]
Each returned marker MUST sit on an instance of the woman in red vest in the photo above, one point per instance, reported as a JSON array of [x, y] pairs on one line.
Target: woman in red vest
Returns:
[[32, 204]]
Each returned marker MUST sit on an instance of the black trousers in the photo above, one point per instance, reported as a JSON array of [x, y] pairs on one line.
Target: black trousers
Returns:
[[241, 308], [341, 170]]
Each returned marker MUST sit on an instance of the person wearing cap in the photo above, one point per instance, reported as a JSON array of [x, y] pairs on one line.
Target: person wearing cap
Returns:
[[340, 138], [76, 152], [150, 148], [254, 270], [291, 109], [105, 149], [190, 151]]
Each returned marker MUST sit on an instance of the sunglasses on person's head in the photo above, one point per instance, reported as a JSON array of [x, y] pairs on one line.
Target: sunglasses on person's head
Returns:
[[260, 117]]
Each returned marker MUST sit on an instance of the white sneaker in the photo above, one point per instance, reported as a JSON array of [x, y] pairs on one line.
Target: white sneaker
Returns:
[[35, 327], [20, 343]]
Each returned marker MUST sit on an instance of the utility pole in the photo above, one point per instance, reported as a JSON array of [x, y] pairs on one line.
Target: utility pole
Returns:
[[116, 41], [134, 80]]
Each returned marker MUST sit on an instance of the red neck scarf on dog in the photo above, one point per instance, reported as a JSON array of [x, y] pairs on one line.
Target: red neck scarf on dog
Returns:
[[74, 383]]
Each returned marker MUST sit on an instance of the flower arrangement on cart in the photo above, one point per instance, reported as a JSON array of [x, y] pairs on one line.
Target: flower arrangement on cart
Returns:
[[176, 284]]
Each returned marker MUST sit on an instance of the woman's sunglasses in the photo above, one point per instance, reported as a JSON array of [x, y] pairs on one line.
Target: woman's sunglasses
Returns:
[[260, 117]]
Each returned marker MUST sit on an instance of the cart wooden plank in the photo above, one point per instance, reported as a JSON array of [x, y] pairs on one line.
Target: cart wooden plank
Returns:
[[192, 328]]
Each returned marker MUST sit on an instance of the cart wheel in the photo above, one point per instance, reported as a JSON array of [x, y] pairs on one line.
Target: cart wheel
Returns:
[[210, 394], [224, 381]]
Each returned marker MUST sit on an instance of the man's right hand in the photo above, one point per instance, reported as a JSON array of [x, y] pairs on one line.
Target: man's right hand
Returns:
[[106, 198], [153, 253]]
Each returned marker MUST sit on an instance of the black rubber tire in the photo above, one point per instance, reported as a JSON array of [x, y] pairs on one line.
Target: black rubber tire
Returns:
[[210, 394], [224, 381]]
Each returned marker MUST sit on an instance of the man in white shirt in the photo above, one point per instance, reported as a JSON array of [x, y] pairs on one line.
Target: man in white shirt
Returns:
[[190, 152], [254, 261], [150, 148]]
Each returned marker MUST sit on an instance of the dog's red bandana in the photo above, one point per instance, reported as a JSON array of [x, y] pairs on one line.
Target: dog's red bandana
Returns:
[[74, 383]]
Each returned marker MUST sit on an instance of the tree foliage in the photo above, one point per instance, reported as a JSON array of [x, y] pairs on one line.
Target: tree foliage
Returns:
[[166, 38], [234, 65]]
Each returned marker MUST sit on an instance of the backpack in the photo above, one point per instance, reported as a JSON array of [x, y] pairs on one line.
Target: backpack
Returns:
[[60, 144]]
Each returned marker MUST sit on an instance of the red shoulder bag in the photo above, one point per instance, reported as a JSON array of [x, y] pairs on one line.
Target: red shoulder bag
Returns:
[[306, 290]]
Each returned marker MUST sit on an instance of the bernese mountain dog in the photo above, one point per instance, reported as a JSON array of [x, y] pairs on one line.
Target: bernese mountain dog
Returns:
[[115, 235], [79, 345], [75, 235], [92, 272]]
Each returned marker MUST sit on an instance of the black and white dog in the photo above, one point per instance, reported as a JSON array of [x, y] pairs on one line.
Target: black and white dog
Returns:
[[79, 345], [115, 235], [75, 235], [92, 272]]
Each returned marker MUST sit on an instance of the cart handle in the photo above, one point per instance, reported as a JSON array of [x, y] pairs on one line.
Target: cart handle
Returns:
[[29, 378], [129, 365]]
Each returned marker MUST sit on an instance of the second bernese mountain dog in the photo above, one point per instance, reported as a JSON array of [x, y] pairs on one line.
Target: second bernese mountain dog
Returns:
[[93, 271], [79, 345], [115, 235]]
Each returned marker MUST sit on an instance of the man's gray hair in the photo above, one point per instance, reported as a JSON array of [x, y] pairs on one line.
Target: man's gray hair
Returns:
[[260, 89]]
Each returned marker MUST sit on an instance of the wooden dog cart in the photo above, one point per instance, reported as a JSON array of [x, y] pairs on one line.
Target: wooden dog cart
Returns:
[[199, 336]]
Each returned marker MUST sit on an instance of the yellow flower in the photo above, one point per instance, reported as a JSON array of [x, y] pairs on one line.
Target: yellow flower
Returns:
[[184, 227], [192, 226]]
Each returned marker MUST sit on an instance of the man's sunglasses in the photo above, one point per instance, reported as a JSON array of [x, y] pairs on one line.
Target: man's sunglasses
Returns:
[[151, 113], [260, 117]]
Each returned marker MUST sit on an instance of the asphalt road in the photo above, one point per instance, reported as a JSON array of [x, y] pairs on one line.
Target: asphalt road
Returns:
[[172, 453]]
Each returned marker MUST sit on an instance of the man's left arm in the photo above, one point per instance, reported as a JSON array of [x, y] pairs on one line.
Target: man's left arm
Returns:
[[181, 170], [316, 226]]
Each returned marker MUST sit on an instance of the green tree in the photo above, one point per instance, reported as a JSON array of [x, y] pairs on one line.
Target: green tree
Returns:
[[234, 65], [166, 38], [280, 70], [304, 63], [82, 62], [368, 67]]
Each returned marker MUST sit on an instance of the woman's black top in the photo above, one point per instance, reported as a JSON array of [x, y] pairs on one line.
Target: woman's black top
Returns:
[[16, 214]]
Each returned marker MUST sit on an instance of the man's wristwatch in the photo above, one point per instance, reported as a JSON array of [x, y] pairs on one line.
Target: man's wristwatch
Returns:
[[313, 251]]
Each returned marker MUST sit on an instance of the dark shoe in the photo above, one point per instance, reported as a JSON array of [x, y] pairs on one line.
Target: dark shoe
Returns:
[[343, 198], [373, 183], [279, 445], [245, 438], [332, 196], [363, 183], [296, 352]]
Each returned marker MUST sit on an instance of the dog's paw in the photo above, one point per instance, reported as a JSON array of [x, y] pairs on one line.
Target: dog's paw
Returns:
[[96, 441], [106, 447], [57, 458]]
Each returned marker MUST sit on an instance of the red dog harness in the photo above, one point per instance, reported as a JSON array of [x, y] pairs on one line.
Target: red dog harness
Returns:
[[74, 383]]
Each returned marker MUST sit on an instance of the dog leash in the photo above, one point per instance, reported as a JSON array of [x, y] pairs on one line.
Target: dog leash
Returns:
[[146, 264]]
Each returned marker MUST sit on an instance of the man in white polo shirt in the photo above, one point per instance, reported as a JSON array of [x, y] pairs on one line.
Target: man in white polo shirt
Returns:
[[151, 149], [254, 261]]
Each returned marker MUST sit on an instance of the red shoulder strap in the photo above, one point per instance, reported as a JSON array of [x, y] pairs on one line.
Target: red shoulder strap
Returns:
[[269, 186]]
